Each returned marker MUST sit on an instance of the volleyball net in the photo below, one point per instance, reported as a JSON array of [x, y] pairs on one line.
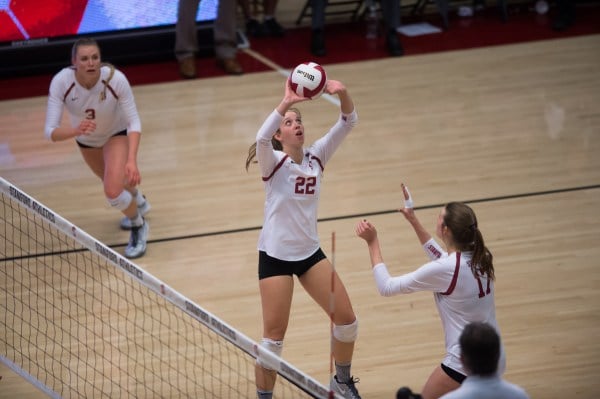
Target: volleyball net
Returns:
[[79, 320]]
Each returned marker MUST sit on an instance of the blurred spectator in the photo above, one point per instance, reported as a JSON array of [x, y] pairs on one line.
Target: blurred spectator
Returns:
[[186, 38], [269, 25], [390, 9], [566, 15]]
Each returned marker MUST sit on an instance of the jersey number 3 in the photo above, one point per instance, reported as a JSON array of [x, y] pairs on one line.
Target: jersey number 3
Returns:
[[305, 185]]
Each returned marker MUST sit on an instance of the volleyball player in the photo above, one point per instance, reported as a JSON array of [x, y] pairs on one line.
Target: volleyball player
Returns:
[[461, 276], [106, 127], [289, 244]]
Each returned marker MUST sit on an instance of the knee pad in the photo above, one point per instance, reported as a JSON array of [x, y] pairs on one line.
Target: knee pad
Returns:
[[122, 201], [346, 332], [273, 346]]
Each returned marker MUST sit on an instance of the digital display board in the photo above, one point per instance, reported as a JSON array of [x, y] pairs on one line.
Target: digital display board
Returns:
[[22, 21]]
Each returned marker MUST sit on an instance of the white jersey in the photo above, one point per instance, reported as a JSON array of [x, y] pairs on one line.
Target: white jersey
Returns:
[[289, 229], [111, 107], [478, 387], [460, 296]]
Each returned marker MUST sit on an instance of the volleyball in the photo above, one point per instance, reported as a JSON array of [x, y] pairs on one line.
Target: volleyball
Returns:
[[308, 80]]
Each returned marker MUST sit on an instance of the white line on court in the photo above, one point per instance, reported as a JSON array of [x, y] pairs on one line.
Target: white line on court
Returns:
[[284, 72]]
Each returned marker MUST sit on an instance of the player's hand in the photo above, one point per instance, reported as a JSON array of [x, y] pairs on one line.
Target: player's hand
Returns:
[[334, 87], [291, 97], [408, 210], [132, 173], [86, 127], [366, 231]]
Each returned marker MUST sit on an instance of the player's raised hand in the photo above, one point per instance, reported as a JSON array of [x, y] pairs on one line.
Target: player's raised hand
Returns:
[[366, 231], [334, 87], [407, 210], [291, 97]]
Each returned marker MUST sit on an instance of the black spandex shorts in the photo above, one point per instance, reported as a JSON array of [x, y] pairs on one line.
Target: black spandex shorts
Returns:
[[121, 133], [269, 266], [455, 375]]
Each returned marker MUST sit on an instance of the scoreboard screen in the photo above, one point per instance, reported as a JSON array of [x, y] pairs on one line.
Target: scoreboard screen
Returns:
[[39, 21]]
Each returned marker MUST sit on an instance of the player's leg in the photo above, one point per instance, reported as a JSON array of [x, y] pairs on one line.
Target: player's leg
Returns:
[[96, 159], [143, 205], [115, 157], [276, 300], [438, 383], [317, 282]]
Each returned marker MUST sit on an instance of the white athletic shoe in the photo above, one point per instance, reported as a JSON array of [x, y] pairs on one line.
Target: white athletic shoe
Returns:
[[142, 209], [346, 389], [137, 241]]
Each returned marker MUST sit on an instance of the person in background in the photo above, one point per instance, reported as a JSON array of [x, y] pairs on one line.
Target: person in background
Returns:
[[106, 126], [566, 15], [461, 277], [269, 25], [390, 9], [186, 38], [479, 353], [289, 245]]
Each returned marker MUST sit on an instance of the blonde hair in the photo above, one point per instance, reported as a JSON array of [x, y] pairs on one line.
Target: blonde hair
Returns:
[[276, 143], [84, 41]]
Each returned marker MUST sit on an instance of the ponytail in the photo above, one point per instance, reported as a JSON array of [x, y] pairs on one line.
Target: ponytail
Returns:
[[462, 222], [252, 151], [482, 257]]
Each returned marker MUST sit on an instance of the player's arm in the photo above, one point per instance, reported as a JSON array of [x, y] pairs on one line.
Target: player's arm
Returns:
[[337, 87], [289, 99], [366, 231], [52, 128], [326, 146], [134, 127], [264, 147], [432, 249], [131, 169], [411, 217]]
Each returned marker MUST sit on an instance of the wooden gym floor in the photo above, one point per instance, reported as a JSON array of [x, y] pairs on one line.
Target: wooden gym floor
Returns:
[[513, 130]]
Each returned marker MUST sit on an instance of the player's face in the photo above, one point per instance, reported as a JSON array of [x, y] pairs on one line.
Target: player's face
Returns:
[[291, 129], [87, 61]]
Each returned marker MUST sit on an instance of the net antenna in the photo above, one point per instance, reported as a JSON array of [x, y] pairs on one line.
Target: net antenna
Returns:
[[331, 311], [79, 320]]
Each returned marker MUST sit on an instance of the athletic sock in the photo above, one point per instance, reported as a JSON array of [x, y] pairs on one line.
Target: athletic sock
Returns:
[[264, 394], [137, 220], [139, 197], [342, 371]]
